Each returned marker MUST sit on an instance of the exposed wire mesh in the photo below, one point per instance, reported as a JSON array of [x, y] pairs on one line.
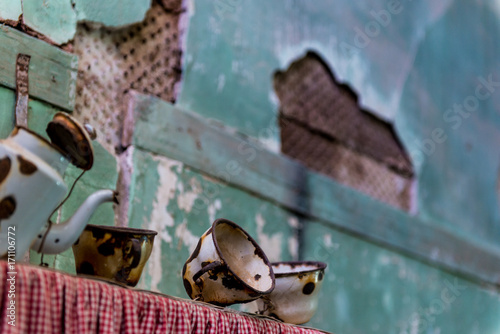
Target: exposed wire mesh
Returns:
[[145, 57], [323, 127]]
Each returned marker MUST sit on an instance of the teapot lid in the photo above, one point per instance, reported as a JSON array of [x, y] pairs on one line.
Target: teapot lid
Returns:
[[69, 136]]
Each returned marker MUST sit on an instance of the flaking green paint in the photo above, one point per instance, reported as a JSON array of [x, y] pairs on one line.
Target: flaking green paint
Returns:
[[186, 219], [170, 131], [426, 57]]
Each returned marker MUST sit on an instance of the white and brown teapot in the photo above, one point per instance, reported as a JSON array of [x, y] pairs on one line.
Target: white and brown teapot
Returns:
[[32, 187]]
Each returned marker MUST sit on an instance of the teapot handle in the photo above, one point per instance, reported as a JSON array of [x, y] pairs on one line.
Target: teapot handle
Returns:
[[216, 265]]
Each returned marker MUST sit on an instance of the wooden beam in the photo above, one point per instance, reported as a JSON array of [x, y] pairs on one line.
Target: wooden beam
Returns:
[[163, 129], [52, 72]]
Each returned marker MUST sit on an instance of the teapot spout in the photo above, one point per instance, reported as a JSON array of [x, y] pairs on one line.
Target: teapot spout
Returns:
[[62, 236]]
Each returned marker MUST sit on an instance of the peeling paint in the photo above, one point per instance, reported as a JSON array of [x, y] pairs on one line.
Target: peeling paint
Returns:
[[293, 247], [213, 208], [293, 222], [271, 244], [191, 8], [274, 99], [187, 237], [161, 219], [271, 143], [186, 199], [327, 239]]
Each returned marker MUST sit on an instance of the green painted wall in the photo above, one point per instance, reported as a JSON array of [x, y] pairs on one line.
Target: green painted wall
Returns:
[[412, 68], [430, 56], [420, 60], [369, 289]]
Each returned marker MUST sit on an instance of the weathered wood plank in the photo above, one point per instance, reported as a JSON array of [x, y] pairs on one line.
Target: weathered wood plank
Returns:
[[52, 72], [163, 129]]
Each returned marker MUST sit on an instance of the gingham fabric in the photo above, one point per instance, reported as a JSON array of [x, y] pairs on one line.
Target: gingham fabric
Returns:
[[47, 301]]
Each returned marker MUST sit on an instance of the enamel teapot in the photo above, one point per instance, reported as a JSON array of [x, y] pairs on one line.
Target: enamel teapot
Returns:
[[32, 187]]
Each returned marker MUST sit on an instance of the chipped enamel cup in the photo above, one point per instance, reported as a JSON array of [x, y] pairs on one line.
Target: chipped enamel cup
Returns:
[[295, 297], [115, 253], [227, 267]]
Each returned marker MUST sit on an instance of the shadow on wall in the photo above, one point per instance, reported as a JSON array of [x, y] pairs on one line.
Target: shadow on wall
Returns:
[[323, 127]]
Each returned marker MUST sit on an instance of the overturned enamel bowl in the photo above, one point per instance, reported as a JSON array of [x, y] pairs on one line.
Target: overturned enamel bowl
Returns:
[[227, 267], [295, 296], [115, 253]]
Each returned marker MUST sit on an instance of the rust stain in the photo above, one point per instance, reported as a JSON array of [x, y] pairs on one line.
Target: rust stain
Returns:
[[196, 250], [231, 282], [260, 253]]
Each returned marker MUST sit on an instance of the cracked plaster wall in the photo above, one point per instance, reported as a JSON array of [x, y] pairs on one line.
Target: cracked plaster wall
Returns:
[[412, 63]]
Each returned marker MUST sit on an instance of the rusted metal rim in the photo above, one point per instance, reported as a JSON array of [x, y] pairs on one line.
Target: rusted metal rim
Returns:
[[292, 264], [263, 255], [119, 229]]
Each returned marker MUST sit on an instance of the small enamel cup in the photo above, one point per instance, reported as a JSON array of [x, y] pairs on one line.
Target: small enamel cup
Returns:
[[227, 267], [115, 253], [295, 297]]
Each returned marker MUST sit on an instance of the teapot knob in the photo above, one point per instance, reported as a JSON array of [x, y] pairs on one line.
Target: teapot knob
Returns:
[[90, 130]]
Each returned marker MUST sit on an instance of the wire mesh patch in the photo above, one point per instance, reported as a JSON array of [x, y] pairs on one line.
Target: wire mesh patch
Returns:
[[323, 127], [145, 57]]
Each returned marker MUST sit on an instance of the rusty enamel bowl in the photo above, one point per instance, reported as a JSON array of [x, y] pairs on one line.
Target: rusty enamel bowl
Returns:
[[295, 297], [227, 267], [115, 253]]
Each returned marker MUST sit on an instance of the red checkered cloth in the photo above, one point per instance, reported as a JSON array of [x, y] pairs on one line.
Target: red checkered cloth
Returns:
[[47, 301]]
